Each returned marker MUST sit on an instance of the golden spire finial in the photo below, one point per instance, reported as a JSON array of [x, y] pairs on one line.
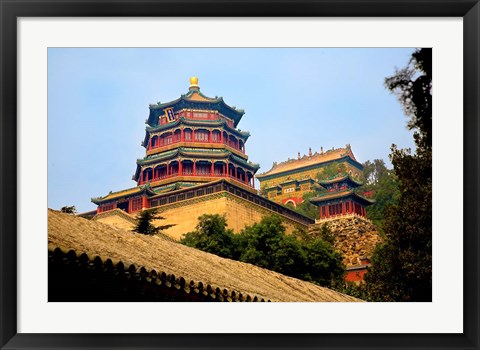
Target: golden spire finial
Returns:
[[194, 83]]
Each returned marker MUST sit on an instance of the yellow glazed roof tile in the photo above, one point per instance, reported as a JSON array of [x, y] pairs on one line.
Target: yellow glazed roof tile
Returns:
[[316, 158]]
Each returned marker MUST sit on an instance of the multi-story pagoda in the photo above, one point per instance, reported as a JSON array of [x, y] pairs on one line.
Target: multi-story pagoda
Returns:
[[195, 164], [340, 198], [194, 140], [189, 141]]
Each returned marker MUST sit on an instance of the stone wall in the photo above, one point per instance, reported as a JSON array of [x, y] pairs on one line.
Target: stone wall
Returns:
[[184, 214], [355, 237], [242, 212]]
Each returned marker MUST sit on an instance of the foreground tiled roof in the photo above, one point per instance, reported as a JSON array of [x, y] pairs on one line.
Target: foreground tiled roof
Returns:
[[305, 161], [94, 239]]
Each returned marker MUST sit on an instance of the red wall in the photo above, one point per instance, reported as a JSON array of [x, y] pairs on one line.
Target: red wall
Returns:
[[355, 275]]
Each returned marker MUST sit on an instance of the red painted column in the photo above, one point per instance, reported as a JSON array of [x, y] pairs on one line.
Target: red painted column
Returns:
[[343, 208], [180, 168], [129, 210], [210, 136], [194, 168], [246, 179], [212, 169], [144, 203], [182, 135]]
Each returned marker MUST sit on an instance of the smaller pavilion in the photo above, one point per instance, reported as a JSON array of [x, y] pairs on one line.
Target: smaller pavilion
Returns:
[[340, 198]]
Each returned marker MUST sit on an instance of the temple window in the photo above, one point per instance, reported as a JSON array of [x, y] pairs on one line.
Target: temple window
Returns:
[[232, 142], [154, 141], [136, 204], [107, 207], [166, 139], [177, 135], [200, 115], [201, 135], [216, 136]]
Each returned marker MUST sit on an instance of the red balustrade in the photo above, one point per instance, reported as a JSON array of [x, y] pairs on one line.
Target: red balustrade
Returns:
[[198, 174]]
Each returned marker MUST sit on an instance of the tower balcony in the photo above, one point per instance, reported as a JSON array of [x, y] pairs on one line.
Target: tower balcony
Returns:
[[199, 171], [189, 137]]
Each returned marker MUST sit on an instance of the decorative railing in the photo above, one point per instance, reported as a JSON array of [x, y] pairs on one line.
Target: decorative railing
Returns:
[[159, 178], [234, 189], [225, 142], [342, 216]]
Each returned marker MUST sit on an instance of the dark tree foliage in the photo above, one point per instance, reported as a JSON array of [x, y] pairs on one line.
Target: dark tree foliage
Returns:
[[306, 207], [266, 244], [332, 170], [402, 265], [145, 225], [69, 210], [413, 85], [383, 183], [211, 235], [298, 255], [325, 265]]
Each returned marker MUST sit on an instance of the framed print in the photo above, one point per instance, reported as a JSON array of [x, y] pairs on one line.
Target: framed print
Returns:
[[137, 38]]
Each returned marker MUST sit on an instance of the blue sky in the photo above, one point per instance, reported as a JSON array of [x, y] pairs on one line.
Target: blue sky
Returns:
[[293, 99]]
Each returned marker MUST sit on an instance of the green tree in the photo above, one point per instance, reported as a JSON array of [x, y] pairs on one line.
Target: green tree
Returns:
[[69, 210], [211, 235], [306, 207], [383, 183], [144, 224], [373, 172], [413, 87], [332, 170], [324, 264], [262, 240], [298, 255], [402, 266]]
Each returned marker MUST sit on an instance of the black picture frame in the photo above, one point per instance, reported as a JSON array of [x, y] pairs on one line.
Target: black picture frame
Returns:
[[11, 10]]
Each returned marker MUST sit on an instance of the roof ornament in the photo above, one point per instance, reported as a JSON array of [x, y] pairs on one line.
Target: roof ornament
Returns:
[[194, 84], [321, 150], [310, 151], [298, 155]]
